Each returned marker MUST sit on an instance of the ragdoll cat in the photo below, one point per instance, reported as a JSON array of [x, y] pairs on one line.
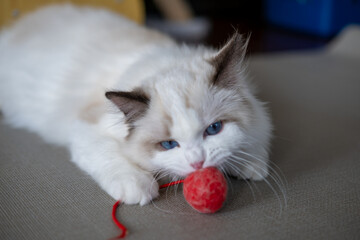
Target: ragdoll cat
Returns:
[[129, 102]]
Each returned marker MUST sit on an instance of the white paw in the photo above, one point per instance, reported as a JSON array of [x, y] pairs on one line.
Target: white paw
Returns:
[[255, 173], [134, 188]]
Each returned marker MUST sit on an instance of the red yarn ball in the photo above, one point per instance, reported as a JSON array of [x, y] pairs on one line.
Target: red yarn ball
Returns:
[[205, 190]]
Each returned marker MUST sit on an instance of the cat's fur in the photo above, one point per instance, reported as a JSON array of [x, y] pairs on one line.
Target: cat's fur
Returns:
[[57, 64]]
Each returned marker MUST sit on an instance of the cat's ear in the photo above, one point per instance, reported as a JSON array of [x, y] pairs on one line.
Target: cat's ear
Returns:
[[133, 104], [229, 62]]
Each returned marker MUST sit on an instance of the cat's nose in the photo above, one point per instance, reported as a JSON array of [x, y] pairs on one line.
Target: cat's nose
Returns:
[[197, 165]]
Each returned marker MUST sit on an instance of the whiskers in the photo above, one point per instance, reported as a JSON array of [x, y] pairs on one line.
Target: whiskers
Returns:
[[241, 161], [166, 176], [240, 164], [236, 171]]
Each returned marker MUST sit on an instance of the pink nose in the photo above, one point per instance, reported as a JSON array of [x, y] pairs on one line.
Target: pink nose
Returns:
[[197, 165]]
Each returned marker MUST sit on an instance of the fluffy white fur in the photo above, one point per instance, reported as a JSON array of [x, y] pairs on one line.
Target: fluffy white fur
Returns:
[[57, 64]]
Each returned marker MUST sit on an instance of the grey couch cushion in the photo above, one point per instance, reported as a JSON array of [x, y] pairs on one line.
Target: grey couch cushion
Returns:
[[314, 98]]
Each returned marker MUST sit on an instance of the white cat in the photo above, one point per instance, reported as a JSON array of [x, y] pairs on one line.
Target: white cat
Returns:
[[129, 102]]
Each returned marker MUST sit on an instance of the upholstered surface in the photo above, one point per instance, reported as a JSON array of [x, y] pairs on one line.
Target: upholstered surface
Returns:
[[314, 99]]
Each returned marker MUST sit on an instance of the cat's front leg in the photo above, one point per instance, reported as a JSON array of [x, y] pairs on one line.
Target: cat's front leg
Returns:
[[101, 157], [133, 187]]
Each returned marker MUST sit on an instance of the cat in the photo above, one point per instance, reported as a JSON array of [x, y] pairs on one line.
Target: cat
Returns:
[[129, 103]]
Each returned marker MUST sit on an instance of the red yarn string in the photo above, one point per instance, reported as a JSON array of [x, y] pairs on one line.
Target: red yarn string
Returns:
[[116, 205], [122, 227], [171, 184]]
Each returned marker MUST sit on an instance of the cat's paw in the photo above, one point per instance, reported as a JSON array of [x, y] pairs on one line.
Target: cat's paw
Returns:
[[256, 173], [134, 189], [252, 171]]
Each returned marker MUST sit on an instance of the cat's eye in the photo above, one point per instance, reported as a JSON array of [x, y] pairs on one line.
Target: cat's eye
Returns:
[[169, 144], [214, 128]]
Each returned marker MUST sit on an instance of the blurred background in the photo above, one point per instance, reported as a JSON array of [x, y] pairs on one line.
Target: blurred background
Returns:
[[274, 25]]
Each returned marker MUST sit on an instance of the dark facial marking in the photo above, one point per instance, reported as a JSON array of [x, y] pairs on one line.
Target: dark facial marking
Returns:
[[133, 104], [228, 62]]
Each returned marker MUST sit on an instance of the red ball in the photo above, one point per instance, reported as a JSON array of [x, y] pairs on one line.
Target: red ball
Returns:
[[205, 190]]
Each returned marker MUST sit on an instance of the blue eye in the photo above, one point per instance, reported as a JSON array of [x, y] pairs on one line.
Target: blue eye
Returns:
[[169, 144], [214, 128]]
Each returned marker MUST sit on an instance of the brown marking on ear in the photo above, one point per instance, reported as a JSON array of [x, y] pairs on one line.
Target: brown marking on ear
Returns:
[[133, 104], [228, 62]]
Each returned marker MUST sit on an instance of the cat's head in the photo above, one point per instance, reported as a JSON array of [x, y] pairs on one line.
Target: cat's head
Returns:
[[194, 115]]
